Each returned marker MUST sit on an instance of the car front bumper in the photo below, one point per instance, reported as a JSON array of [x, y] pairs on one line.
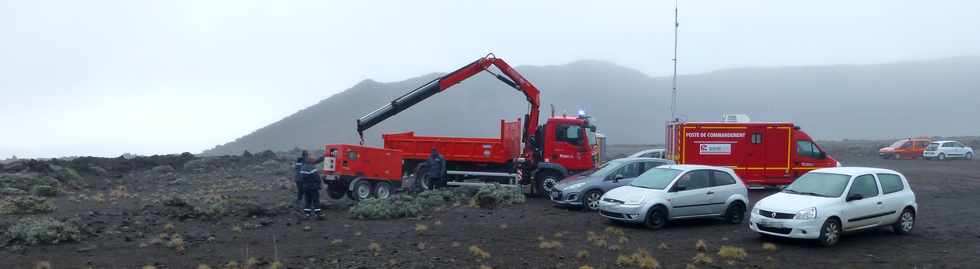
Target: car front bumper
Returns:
[[621, 212], [793, 228], [565, 198]]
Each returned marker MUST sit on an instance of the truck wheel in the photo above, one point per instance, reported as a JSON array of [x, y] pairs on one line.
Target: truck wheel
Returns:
[[382, 190], [546, 181], [422, 180], [362, 190]]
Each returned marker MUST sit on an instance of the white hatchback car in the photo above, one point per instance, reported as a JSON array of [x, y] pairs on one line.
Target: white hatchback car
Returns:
[[942, 150], [677, 192], [825, 202]]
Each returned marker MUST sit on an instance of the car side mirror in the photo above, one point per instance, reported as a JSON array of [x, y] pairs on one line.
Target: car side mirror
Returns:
[[854, 197], [823, 155]]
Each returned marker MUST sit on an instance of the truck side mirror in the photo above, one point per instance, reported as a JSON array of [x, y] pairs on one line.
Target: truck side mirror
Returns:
[[854, 197], [823, 155]]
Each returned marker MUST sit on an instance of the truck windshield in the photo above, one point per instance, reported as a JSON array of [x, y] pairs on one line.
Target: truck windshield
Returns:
[[656, 178], [819, 184]]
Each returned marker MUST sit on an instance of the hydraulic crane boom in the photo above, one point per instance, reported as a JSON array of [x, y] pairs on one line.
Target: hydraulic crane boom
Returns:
[[510, 77]]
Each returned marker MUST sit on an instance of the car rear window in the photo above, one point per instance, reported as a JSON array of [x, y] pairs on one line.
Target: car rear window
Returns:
[[890, 183], [932, 146]]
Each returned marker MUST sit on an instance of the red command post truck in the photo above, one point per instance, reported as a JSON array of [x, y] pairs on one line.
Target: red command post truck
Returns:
[[761, 153]]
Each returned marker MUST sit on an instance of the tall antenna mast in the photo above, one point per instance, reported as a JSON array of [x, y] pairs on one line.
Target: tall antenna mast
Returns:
[[673, 98]]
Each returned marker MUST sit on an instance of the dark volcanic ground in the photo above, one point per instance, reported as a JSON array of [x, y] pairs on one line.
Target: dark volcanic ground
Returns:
[[124, 215]]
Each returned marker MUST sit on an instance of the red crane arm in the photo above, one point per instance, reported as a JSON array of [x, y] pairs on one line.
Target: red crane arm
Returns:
[[510, 77]]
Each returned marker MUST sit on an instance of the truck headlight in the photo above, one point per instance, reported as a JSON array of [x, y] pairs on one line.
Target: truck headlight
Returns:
[[807, 213]]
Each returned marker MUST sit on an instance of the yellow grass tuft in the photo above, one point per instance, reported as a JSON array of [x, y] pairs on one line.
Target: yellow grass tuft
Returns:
[[615, 231], [251, 262], [420, 245], [336, 241], [663, 246], [700, 246], [769, 246], [702, 259], [276, 265], [169, 227], [732, 253], [549, 244], [149, 266], [375, 248], [421, 228], [623, 240], [479, 253], [42, 265], [586, 266], [232, 265], [615, 247], [203, 266], [690, 266], [582, 254], [641, 258]]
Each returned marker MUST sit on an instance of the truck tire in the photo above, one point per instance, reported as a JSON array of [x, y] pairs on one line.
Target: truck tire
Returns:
[[382, 190], [545, 182], [422, 180], [361, 191]]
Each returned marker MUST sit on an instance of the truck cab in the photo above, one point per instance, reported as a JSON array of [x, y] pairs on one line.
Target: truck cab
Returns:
[[564, 146]]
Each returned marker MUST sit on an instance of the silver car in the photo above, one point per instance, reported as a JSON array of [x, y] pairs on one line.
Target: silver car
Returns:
[[584, 189], [678, 192]]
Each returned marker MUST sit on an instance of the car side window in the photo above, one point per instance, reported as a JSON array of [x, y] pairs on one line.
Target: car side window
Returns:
[[648, 165], [948, 145], [865, 186], [696, 179], [722, 178], [632, 170], [618, 171], [890, 183]]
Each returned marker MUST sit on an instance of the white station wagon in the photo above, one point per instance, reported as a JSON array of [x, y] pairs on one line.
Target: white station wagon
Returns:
[[824, 203]]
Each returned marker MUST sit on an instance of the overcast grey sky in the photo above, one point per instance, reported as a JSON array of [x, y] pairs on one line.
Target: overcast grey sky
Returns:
[[107, 77]]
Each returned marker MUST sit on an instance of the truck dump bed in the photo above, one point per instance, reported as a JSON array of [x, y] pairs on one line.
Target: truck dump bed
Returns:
[[463, 149]]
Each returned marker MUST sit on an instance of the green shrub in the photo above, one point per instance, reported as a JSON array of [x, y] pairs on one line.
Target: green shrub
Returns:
[[33, 231], [12, 191], [392, 208], [25, 181], [441, 196], [490, 196], [25, 205], [44, 191]]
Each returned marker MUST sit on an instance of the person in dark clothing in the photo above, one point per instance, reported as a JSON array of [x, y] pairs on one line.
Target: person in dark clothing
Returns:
[[299, 178], [311, 187], [437, 169]]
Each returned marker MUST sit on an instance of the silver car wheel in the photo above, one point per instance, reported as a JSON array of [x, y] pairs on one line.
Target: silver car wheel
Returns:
[[592, 200], [549, 184], [831, 233], [908, 221]]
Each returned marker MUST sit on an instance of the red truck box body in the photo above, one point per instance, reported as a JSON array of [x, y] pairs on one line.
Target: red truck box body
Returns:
[[351, 161], [462, 149], [760, 153]]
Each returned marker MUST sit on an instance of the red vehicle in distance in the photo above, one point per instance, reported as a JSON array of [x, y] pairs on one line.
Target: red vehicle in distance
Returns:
[[908, 148]]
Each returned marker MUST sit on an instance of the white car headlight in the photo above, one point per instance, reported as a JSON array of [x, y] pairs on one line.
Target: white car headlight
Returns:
[[575, 186], [807, 213]]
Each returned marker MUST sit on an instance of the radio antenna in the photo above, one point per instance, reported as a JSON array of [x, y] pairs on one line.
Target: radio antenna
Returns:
[[673, 98]]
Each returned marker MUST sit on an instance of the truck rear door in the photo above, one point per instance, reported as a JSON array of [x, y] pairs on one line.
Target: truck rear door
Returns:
[[752, 159], [777, 141]]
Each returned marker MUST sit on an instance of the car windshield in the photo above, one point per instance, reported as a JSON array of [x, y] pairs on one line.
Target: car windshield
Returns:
[[932, 146], [819, 184], [656, 178], [605, 168], [898, 143]]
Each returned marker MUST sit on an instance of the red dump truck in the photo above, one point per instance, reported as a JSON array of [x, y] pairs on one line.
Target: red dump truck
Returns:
[[761, 153], [524, 153]]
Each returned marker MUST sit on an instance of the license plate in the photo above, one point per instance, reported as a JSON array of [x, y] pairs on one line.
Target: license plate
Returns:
[[771, 224], [330, 177]]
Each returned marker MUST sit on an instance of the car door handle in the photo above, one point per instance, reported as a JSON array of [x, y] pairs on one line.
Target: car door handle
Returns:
[[878, 203], [710, 193]]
